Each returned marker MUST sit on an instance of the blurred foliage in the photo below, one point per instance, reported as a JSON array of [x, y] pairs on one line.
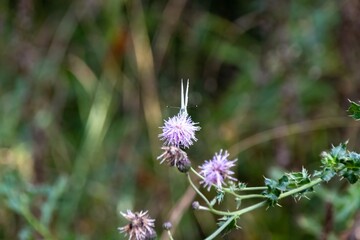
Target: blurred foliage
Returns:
[[85, 85]]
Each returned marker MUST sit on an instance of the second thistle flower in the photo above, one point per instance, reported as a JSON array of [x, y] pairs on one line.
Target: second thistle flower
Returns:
[[217, 170]]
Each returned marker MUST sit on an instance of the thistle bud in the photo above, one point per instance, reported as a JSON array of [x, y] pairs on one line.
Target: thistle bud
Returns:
[[195, 205], [167, 225]]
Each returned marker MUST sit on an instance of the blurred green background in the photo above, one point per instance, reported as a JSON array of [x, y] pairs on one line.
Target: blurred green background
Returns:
[[85, 85]]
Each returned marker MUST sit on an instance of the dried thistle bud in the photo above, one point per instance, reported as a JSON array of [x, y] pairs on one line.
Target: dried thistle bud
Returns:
[[183, 165], [172, 155]]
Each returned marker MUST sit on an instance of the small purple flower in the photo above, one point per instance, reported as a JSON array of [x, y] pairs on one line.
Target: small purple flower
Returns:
[[141, 226], [179, 131], [215, 171]]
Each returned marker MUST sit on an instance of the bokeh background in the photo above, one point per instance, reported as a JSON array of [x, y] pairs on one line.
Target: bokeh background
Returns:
[[85, 85]]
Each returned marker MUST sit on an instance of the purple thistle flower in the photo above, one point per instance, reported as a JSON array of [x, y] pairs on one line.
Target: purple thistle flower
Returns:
[[141, 226], [179, 131], [215, 171]]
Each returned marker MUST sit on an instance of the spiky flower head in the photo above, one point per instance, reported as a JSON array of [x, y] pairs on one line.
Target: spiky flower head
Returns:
[[141, 226], [217, 170], [179, 131]]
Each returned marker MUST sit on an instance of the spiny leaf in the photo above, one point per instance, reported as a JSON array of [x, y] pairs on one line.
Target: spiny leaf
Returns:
[[354, 110], [339, 151]]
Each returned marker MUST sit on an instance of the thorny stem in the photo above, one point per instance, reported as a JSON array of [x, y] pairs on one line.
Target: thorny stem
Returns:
[[302, 188], [228, 190], [210, 207], [233, 215], [222, 227], [245, 210], [237, 213]]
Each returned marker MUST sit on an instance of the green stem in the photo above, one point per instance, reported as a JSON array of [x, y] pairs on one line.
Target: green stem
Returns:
[[170, 236], [196, 173], [302, 188], [214, 211], [198, 191], [40, 228], [253, 188], [228, 190], [222, 227], [210, 207], [233, 216], [239, 212], [248, 196]]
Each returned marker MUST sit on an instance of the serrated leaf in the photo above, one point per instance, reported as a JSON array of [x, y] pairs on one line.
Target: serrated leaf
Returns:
[[339, 151], [351, 177], [317, 173], [241, 185], [270, 183], [355, 157], [283, 183], [220, 197], [327, 174], [272, 196], [354, 110]]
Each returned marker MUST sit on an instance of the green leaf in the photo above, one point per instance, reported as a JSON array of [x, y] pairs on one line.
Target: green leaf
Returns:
[[270, 183], [327, 174], [355, 157], [220, 197], [354, 110], [272, 196], [351, 177], [339, 152], [241, 185], [283, 183]]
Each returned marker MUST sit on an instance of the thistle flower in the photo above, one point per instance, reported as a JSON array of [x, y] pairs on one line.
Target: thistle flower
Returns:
[[217, 170], [141, 226], [179, 131]]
